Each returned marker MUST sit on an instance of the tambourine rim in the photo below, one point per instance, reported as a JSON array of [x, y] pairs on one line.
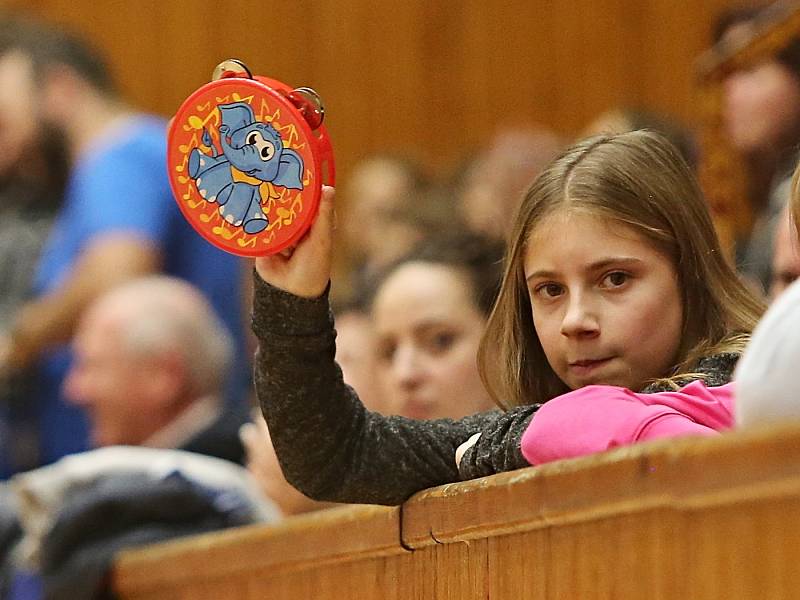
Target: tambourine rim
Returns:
[[308, 215]]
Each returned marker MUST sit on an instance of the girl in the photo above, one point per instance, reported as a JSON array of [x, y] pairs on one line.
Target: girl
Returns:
[[614, 276]]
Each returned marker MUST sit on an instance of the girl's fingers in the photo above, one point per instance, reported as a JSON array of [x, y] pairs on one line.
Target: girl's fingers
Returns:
[[304, 270]]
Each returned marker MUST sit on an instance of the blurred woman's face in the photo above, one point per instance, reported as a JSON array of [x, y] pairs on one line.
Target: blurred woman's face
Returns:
[[762, 107], [428, 329]]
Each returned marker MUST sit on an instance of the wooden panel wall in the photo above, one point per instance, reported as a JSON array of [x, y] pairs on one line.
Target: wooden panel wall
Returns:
[[704, 519], [431, 78]]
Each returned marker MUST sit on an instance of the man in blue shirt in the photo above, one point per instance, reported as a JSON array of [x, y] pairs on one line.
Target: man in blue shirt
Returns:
[[118, 221]]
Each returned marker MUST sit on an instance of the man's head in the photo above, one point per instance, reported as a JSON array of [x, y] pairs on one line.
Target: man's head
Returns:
[[44, 73], [49, 47], [144, 352]]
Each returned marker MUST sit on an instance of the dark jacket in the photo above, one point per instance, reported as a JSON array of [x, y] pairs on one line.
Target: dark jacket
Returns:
[[124, 511], [221, 438], [10, 534]]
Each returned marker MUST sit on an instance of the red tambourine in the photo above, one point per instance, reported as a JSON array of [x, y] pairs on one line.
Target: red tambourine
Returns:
[[247, 157]]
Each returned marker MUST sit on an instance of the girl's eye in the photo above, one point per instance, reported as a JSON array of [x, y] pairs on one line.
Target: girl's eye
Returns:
[[549, 290], [616, 279], [252, 138], [442, 341], [385, 352]]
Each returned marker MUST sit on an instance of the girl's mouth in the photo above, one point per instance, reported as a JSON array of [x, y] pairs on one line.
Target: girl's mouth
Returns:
[[588, 366]]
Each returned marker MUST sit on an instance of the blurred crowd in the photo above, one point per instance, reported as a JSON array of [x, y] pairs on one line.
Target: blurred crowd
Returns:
[[125, 352]]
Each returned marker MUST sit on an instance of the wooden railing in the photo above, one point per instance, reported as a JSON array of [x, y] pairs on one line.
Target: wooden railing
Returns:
[[722, 172], [684, 519]]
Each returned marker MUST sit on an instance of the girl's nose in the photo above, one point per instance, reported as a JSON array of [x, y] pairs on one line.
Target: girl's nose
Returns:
[[580, 320]]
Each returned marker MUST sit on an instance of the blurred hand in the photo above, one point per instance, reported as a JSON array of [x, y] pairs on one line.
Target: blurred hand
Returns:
[[305, 269], [262, 463], [261, 460]]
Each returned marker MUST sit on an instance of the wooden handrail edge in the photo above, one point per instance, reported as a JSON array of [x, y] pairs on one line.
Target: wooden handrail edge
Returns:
[[678, 473], [361, 531]]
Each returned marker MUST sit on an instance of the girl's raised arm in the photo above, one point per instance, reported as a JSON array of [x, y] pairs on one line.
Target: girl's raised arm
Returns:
[[329, 446]]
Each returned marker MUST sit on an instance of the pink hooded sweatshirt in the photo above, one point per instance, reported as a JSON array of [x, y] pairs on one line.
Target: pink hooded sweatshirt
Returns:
[[600, 417]]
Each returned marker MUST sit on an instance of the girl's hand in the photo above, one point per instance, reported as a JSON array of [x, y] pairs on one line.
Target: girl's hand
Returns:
[[304, 270]]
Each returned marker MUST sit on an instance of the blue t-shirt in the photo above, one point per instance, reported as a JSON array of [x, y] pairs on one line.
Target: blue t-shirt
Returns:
[[122, 185]]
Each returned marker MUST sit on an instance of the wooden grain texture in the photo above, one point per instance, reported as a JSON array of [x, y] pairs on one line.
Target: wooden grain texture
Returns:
[[433, 79], [692, 518], [322, 540]]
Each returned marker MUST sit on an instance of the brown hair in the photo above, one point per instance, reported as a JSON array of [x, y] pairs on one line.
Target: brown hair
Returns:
[[50, 45], [478, 257], [638, 179]]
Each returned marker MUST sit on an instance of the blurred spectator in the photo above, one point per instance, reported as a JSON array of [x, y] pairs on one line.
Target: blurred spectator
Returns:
[[149, 366], [150, 360], [376, 197], [786, 256], [118, 220], [620, 120], [490, 187], [32, 173], [33, 168], [767, 389], [429, 310], [390, 205], [762, 119], [356, 353]]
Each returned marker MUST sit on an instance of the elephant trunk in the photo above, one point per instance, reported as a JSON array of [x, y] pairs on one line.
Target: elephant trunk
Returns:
[[244, 158]]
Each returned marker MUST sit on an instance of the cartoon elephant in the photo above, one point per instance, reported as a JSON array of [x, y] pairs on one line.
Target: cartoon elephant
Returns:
[[252, 147]]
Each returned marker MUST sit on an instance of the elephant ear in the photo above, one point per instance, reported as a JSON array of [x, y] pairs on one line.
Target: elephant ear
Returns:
[[236, 115], [290, 170]]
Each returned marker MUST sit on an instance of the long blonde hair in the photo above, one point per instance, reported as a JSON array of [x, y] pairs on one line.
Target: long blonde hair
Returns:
[[638, 179]]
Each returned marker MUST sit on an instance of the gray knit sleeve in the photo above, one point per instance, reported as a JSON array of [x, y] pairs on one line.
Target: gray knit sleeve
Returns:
[[498, 449], [329, 446]]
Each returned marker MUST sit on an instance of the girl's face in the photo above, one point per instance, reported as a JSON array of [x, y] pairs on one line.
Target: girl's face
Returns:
[[605, 303], [428, 330]]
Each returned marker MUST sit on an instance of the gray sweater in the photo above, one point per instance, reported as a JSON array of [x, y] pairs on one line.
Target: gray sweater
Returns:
[[332, 448]]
